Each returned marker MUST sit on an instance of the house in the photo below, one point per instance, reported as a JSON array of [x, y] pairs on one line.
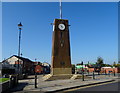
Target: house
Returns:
[[42, 68], [20, 64], [80, 68], [107, 69], [46, 67]]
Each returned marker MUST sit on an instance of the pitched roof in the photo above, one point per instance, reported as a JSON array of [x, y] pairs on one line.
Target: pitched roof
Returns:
[[22, 58]]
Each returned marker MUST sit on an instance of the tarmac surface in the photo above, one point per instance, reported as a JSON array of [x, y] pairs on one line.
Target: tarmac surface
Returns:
[[28, 85], [111, 86], [107, 86]]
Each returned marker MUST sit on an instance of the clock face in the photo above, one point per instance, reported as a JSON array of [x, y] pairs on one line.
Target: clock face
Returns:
[[61, 26]]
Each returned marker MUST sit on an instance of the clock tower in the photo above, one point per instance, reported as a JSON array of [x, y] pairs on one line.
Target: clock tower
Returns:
[[61, 67], [61, 59]]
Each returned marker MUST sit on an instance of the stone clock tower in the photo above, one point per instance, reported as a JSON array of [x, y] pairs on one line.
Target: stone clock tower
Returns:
[[61, 59]]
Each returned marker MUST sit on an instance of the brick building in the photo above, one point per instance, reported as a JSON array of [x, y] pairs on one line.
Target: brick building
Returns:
[[25, 65], [106, 69]]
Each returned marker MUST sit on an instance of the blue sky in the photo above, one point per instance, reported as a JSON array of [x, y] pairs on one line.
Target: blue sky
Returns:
[[93, 30]]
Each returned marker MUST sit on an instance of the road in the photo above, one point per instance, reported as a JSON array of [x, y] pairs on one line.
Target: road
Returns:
[[109, 86]]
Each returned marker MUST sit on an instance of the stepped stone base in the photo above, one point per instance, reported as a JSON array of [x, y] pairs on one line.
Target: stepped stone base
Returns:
[[63, 76], [78, 76], [57, 77]]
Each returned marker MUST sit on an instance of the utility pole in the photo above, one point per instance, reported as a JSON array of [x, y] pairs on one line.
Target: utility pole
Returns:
[[20, 28]]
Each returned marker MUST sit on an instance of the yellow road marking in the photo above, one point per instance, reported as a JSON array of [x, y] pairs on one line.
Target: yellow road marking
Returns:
[[88, 86]]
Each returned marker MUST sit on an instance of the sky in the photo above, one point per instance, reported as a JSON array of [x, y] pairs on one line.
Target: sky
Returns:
[[59, 0], [93, 30]]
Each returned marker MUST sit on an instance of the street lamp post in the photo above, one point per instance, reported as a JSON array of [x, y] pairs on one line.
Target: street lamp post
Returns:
[[20, 28]]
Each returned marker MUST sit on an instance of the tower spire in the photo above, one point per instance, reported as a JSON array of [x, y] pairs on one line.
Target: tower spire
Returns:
[[60, 9]]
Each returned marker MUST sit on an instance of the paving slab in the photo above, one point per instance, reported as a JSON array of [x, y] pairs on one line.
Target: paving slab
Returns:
[[56, 85], [65, 84]]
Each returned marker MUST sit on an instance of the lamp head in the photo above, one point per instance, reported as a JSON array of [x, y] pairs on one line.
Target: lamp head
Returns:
[[20, 25]]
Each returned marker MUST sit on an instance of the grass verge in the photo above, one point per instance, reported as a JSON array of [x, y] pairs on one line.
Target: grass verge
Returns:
[[3, 80]]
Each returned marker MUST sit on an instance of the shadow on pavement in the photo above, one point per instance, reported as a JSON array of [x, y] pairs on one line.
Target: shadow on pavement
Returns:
[[18, 88], [28, 78]]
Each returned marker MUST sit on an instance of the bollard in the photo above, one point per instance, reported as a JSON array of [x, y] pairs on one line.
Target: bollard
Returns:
[[105, 72], [14, 81], [10, 83], [17, 79], [43, 72], [35, 80], [114, 73], [109, 73], [98, 73], [93, 75], [88, 72], [82, 75]]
